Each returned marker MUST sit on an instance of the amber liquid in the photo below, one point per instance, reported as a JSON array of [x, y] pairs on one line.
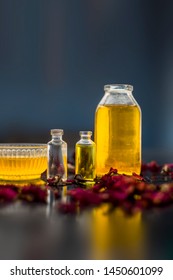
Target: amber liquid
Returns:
[[118, 139], [85, 161], [122, 231], [18, 168]]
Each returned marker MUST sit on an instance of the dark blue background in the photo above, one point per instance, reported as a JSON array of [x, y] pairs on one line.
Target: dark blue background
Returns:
[[56, 56]]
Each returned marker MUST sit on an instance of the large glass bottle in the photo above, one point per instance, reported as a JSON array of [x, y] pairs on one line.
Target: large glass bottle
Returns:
[[118, 131], [85, 156], [57, 155]]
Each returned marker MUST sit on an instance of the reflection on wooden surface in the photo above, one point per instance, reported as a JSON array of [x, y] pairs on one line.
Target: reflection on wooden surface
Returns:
[[40, 231], [116, 234]]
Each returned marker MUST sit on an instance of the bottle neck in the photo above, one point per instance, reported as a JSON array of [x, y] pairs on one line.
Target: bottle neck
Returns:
[[56, 137], [118, 94], [118, 89], [85, 137], [57, 134]]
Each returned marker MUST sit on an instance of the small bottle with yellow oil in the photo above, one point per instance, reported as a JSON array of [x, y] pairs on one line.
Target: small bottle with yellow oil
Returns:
[[85, 151], [118, 131], [57, 155]]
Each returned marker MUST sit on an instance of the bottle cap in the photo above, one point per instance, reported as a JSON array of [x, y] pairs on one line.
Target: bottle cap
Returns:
[[57, 132]]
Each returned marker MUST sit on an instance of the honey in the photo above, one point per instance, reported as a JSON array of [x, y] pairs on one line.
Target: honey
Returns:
[[118, 138], [22, 161], [22, 168]]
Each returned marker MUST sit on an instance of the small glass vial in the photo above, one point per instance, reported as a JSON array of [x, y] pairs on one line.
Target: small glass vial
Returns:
[[57, 155], [85, 156]]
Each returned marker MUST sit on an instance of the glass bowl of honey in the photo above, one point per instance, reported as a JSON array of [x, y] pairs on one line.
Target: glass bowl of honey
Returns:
[[22, 162]]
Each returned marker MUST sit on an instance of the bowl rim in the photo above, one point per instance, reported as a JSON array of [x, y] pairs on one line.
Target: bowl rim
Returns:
[[22, 145]]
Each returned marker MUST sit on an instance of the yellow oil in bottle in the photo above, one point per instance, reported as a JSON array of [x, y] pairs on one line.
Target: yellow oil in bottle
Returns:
[[118, 139], [22, 168], [85, 151], [85, 161]]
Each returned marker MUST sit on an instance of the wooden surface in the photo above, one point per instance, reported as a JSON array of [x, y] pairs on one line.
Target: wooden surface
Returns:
[[34, 231], [40, 231]]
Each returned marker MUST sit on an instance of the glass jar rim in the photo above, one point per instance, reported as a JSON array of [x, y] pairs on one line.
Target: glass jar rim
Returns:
[[118, 87], [22, 146]]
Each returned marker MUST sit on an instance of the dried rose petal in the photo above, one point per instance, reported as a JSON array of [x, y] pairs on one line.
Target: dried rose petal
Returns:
[[160, 198], [137, 177], [144, 167], [34, 193], [167, 167], [85, 197], [67, 207], [118, 196], [141, 187], [8, 194], [153, 166], [132, 193]]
